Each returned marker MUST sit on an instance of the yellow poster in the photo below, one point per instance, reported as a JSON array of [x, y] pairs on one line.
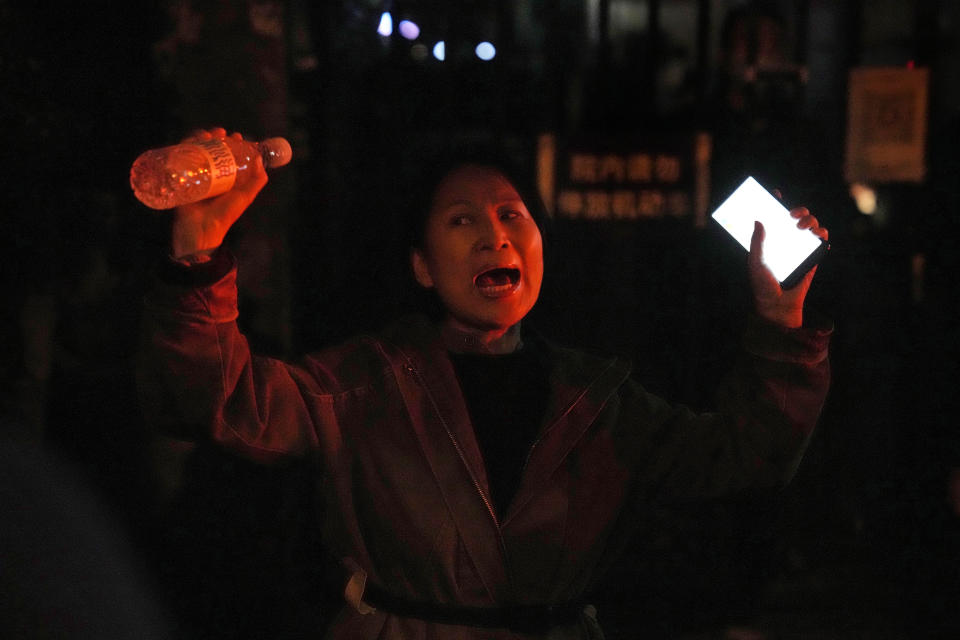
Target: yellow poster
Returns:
[[887, 125]]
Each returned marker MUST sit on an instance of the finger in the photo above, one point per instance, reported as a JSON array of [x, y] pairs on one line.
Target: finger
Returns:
[[811, 223], [206, 134], [257, 180], [776, 192], [799, 212], [756, 242], [236, 135], [197, 135]]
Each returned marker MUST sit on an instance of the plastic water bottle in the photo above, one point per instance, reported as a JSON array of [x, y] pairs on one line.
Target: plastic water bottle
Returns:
[[191, 171]]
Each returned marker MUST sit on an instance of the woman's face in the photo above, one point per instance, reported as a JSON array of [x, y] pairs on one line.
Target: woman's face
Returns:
[[482, 251]]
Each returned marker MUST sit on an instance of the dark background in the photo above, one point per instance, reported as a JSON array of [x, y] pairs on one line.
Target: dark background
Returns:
[[863, 543]]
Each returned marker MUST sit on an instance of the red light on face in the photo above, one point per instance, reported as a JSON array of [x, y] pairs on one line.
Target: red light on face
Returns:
[[483, 253]]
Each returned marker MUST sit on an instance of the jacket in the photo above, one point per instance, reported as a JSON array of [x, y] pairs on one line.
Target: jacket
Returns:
[[406, 489]]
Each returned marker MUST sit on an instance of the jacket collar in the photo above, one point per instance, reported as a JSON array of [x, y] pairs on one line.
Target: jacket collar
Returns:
[[580, 386]]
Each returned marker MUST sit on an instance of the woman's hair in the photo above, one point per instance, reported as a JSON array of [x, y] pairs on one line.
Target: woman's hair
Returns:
[[420, 199]]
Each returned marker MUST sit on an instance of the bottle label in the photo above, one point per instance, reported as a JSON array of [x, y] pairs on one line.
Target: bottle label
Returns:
[[223, 166]]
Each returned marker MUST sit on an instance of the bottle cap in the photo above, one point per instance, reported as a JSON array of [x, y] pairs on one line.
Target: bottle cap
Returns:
[[276, 152]]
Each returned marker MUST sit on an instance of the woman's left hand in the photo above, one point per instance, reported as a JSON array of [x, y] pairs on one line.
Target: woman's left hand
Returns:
[[771, 301]]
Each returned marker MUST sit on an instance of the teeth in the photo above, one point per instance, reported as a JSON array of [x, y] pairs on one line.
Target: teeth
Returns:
[[494, 289]]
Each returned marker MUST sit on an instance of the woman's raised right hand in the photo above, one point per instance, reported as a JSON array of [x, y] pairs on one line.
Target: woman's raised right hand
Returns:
[[200, 227]]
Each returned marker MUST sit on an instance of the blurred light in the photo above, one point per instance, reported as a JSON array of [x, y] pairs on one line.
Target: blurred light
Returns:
[[865, 197], [440, 50], [419, 52], [409, 30], [386, 24], [911, 64], [486, 51]]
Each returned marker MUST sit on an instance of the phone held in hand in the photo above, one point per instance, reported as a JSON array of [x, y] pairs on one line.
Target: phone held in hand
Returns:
[[789, 252]]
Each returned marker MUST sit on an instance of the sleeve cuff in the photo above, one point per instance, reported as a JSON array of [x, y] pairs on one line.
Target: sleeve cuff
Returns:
[[807, 344], [198, 275]]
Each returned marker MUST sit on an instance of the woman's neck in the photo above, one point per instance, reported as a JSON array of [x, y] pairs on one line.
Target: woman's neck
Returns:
[[460, 339]]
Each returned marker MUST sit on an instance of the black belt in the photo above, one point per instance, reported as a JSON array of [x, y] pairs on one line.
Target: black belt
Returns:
[[520, 618]]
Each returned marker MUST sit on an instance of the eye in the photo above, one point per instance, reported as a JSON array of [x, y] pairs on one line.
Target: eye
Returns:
[[510, 214], [460, 220]]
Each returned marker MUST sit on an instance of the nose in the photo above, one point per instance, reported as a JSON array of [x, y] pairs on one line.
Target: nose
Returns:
[[493, 235]]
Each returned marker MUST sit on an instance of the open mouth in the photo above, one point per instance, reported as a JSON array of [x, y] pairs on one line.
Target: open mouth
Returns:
[[498, 282]]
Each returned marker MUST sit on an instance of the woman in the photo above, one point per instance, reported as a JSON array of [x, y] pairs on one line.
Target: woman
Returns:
[[479, 480]]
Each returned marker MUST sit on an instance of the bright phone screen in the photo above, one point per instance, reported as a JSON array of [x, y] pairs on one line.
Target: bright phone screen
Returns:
[[785, 246]]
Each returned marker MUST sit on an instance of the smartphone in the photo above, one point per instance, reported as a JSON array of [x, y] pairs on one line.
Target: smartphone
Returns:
[[789, 252]]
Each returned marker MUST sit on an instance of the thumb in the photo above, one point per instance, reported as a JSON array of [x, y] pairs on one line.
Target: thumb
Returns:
[[756, 242], [234, 202]]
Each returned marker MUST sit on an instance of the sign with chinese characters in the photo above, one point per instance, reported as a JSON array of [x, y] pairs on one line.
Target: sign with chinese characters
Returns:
[[887, 125], [662, 177]]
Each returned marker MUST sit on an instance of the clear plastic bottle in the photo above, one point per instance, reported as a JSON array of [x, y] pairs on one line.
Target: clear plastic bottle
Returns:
[[184, 173]]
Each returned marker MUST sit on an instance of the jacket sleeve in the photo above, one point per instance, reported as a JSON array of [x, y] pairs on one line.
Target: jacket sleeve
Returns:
[[766, 411], [197, 377]]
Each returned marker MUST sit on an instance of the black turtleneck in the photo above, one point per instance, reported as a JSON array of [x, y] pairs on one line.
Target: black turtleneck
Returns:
[[506, 397]]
